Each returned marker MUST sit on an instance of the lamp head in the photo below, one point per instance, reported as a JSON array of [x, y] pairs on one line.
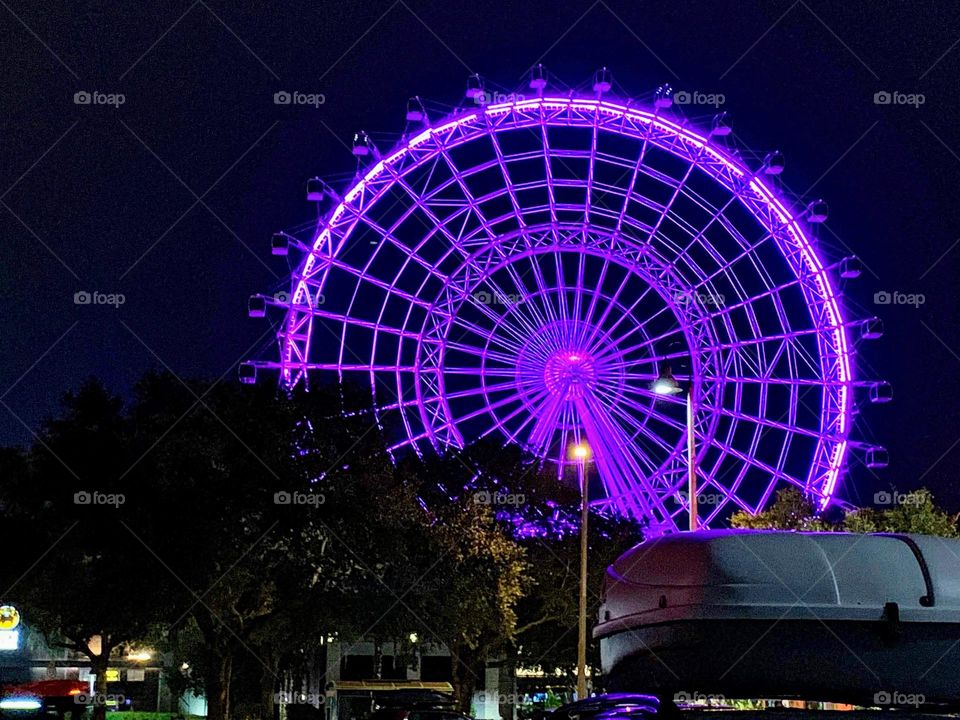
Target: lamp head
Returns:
[[666, 384]]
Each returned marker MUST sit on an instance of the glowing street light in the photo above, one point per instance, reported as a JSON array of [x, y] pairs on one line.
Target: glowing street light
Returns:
[[666, 384], [581, 453]]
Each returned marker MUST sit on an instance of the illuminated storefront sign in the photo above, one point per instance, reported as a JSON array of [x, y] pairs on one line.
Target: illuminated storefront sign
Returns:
[[9, 628]]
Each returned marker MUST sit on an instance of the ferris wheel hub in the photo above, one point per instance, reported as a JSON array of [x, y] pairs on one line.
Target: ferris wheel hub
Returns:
[[569, 374]]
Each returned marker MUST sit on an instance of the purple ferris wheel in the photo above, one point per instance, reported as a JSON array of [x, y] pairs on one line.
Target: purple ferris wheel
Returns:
[[529, 267]]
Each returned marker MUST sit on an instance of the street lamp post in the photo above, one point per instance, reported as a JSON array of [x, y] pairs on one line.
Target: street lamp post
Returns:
[[691, 464], [666, 384], [580, 453]]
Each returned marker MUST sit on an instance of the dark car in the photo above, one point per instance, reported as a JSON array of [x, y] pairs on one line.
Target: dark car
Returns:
[[615, 706], [415, 705], [415, 713], [627, 706]]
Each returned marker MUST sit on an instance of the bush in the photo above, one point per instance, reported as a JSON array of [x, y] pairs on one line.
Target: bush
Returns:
[[139, 715]]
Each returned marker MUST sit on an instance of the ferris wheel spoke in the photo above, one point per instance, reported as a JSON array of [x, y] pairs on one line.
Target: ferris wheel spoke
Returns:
[[488, 371], [542, 293], [364, 277], [720, 507], [608, 412], [772, 293], [507, 182], [748, 249], [617, 407], [512, 321], [770, 424], [614, 454], [650, 412], [744, 456], [412, 254], [616, 354], [717, 213], [533, 401], [546, 421], [642, 437], [577, 314], [655, 360], [517, 302], [445, 279], [561, 298], [539, 311], [347, 321], [449, 424], [605, 338], [539, 319], [490, 336], [516, 299], [584, 339], [485, 353], [633, 183], [648, 394], [612, 303], [517, 280], [517, 327], [608, 337], [481, 389], [456, 242], [548, 174], [755, 462], [678, 188], [644, 377]]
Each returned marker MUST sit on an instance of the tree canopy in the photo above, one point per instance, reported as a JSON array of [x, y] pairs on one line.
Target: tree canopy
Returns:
[[910, 512]]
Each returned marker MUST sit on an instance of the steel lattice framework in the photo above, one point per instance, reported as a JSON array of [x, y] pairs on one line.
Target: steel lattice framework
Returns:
[[527, 269]]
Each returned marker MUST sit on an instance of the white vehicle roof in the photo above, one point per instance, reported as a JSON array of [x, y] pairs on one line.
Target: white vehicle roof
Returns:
[[759, 574]]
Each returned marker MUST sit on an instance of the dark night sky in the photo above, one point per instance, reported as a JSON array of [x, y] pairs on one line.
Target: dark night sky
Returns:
[[171, 198]]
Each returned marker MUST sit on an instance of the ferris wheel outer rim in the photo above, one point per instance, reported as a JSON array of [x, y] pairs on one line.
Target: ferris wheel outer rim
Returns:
[[840, 349]]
